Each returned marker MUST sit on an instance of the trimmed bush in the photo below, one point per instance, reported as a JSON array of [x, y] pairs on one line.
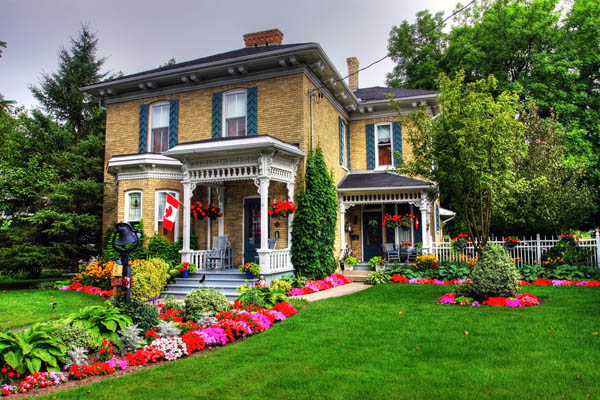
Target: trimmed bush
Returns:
[[495, 274], [149, 278], [205, 300]]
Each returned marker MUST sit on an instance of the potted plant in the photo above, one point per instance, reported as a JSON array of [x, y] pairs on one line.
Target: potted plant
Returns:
[[250, 269], [350, 262], [185, 268], [279, 208], [377, 263]]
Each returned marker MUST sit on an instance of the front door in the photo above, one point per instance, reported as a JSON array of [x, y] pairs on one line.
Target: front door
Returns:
[[252, 229], [372, 234]]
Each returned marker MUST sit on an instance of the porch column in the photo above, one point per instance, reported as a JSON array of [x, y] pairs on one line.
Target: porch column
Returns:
[[342, 224], [221, 193], [290, 190], [208, 221], [187, 201], [425, 209], [397, 230], [263, 253]]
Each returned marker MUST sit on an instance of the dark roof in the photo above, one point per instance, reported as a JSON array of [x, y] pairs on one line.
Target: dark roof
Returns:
[[378, 93], [246, 51], [227, 138], [378, 179]]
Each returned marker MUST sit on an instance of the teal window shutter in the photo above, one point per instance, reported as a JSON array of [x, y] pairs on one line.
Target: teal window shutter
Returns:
[[173, 122], [348, 146], [341, 139], [397, 138], [252, 112], [370, 130], [143, 141], [217, 114]]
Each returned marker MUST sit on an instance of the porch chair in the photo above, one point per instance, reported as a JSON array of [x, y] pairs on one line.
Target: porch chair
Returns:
[[390, 253], [408, 254], [221, 255]]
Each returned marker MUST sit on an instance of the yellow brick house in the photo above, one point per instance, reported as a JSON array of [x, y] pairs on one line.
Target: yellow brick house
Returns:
[[232, 130]]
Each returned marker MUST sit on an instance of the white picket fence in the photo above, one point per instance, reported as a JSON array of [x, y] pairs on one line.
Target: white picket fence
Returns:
[[527, 251]]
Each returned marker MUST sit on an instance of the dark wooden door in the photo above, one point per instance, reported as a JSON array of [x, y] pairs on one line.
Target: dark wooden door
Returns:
[[372, 234]]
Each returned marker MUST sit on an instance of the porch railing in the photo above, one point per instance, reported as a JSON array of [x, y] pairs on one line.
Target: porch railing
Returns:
[[275, 261], [527, 251], [208, 259]]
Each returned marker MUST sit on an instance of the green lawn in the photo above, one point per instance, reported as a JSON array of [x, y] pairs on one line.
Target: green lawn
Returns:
[[360, 347], [25, 307]]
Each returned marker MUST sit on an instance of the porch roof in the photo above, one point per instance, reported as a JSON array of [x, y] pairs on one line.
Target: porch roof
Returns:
[[380, 180]]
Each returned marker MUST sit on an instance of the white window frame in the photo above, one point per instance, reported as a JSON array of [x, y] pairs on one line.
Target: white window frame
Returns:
[[344, 146], [126, 210], [158, 217], [377, 166], [232, 92], [150, 136]]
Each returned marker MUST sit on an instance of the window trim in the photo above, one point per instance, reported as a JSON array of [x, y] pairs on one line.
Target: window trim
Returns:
[[150, 136], [377, 166], [224, 111], [157, 217], [127, 204]]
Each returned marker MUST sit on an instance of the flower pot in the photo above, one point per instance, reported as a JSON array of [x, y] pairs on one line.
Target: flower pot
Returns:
[[249, 275], [379, 267], [185, 274], [348, 267]]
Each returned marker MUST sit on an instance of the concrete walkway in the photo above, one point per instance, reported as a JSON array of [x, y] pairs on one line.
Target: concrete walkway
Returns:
[[337, 291]]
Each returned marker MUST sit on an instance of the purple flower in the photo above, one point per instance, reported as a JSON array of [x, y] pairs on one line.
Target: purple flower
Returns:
[[475, 304]]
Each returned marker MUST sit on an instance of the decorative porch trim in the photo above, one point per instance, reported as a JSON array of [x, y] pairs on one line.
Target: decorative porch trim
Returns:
[[145, 166], [382, 197]]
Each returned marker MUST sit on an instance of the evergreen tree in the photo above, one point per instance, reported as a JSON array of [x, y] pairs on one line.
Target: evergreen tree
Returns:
[[313, 234]]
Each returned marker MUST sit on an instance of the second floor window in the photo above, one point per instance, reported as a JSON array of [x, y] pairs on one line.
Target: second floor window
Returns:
[[159, 127], [344, 145], [235, 113], [383, 140]]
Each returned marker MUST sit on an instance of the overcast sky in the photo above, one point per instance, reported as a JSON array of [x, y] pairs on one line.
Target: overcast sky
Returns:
[[140, 35]]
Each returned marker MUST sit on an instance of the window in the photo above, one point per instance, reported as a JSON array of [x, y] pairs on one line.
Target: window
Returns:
[[159, 127], [133, 206], [344, 145], [160, 201], [235, 113], [383, 140]]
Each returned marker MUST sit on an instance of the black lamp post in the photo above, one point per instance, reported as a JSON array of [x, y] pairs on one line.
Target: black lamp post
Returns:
[[128, 235]]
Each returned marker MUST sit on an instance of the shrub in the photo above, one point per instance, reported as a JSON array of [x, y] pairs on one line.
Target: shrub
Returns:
[[73, 335], [149, 278], [282, 285], [159, 247], [100, 321], [377, 278], [142, 314], [495, 274], [204, 300], [262, 296], [566, 251]]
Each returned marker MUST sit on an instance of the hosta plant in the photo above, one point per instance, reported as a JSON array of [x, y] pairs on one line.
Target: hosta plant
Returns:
[[101, 321], [377, 278], [531, 273], [32, 350]]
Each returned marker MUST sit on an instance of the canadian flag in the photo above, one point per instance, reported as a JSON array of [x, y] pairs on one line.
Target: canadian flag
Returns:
[[170, 212]]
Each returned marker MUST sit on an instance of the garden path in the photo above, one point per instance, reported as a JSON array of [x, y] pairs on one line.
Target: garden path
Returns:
[[337, 291]]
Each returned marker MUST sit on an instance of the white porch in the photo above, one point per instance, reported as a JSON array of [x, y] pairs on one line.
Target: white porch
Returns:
[[218, 163]]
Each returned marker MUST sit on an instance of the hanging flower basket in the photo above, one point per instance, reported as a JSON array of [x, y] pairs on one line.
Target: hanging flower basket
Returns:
[[201, 210], [510, 242], [398, 221], [460, 242], [279, 208]]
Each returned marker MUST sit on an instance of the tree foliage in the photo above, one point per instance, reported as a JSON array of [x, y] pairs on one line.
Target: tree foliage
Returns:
[[471, 144], [51, 169], [313, 233], [546, 50]]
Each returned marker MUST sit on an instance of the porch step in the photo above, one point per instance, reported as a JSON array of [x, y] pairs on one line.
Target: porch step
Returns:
[[224, 281], [357, 276]]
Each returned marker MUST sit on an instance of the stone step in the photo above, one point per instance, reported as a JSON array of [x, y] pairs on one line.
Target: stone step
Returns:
[[224, 281], [357, 276]]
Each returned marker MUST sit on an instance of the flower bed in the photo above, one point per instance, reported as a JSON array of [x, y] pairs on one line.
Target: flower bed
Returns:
[[239, 322], [540, 282], [96, 291], [520, 300], [328, 282], [560, 282]]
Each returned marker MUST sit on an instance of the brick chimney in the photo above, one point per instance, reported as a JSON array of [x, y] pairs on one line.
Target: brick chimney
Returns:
[[352, 72], [272, 37]]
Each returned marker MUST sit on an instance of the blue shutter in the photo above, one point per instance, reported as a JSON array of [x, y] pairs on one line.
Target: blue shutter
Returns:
[[348, 146], [173, 122], [370, 129], [341, 139], [143, 142], [252, 112], [217, 114], [397, 138]]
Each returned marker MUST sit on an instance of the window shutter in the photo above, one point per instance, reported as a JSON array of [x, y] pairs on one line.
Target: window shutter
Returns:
[[143, 142], [341, 139], [252, 112], [348, 146], [370, 129], [173, 122], [397, 138], [217, 113]]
